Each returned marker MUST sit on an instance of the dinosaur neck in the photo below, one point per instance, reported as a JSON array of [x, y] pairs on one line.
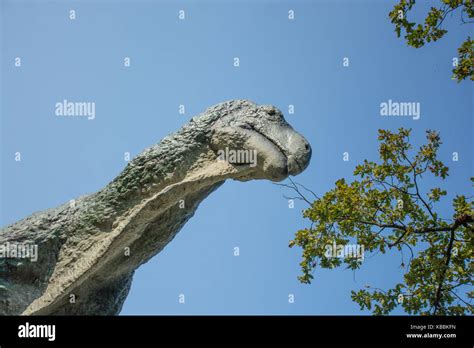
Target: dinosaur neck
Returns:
[[131, 225], [140, 211], [137, 234], [156, 168]]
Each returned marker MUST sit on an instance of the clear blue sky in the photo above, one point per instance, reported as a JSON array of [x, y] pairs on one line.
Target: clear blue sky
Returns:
[[190, 62]]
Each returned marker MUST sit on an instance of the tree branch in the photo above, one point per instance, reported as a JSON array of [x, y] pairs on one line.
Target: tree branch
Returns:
[[295, 188], [443, 274], [466, 303]]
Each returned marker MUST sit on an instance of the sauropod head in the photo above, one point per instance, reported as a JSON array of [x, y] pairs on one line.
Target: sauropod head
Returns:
[[258, 141]]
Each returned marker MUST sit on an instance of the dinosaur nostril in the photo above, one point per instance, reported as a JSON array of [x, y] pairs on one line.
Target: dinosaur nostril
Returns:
[[306, 146]]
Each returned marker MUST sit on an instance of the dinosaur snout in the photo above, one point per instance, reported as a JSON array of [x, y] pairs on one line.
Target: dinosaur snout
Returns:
[[298, 153]]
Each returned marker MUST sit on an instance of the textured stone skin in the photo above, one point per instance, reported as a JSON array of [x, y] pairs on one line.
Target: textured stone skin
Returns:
[[81, 246]]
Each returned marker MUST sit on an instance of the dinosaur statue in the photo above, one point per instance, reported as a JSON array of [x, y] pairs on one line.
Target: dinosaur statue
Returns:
[[89, 248]]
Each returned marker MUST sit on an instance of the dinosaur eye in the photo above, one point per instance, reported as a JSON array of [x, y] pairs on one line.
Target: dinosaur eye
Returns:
[[269, 110], [245, 126]]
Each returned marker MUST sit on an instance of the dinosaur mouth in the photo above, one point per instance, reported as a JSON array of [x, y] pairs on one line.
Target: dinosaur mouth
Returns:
[[251, 128], [293, 166]]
